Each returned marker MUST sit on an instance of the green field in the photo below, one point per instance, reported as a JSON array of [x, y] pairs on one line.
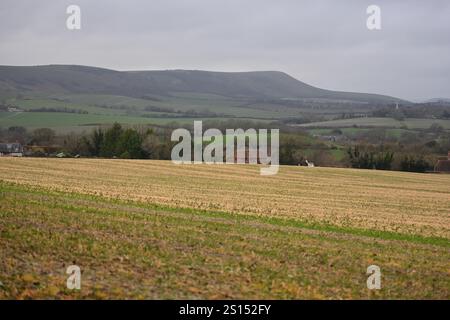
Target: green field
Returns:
[[91, 110], [37, 103], [156, 230], [182, 102], [160, 110], [409, 123], [67, 122]]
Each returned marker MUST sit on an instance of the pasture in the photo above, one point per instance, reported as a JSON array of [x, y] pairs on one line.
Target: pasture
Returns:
[[73, 122], [409, 123]]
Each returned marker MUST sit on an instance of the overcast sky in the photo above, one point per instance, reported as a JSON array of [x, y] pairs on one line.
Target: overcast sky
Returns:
[[324, 42]]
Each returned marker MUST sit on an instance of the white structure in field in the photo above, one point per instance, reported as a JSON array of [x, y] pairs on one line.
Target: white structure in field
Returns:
[[310, 164]]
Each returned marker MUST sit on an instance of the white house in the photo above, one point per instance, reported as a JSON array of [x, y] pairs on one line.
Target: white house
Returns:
[[11, 150]]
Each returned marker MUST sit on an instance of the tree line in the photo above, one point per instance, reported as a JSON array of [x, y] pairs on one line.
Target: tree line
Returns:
[[374, 150], [362, 158]]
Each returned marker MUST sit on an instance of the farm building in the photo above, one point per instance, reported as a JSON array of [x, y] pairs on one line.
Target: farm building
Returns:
[[11, 150], [443, 164], [40, 151]]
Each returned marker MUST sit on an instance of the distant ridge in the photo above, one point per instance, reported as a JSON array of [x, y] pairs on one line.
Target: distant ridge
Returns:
[[241, 85]]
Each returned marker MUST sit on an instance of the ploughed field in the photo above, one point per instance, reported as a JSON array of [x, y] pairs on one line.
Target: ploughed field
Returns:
[[153, 229]]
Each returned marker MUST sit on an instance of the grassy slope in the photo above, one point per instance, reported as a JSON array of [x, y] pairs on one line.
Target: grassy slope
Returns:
[[119, 105], [187, 102], [131, 248], [106, 109]]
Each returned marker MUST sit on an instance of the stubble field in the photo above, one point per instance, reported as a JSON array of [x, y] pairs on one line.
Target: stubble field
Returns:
[[152, 229]]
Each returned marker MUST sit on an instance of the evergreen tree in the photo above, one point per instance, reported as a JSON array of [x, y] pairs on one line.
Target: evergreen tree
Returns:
[[95, 143], [109, 147], [129, 145]]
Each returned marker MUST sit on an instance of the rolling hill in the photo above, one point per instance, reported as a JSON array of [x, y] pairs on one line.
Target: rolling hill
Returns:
[[261, 85]]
